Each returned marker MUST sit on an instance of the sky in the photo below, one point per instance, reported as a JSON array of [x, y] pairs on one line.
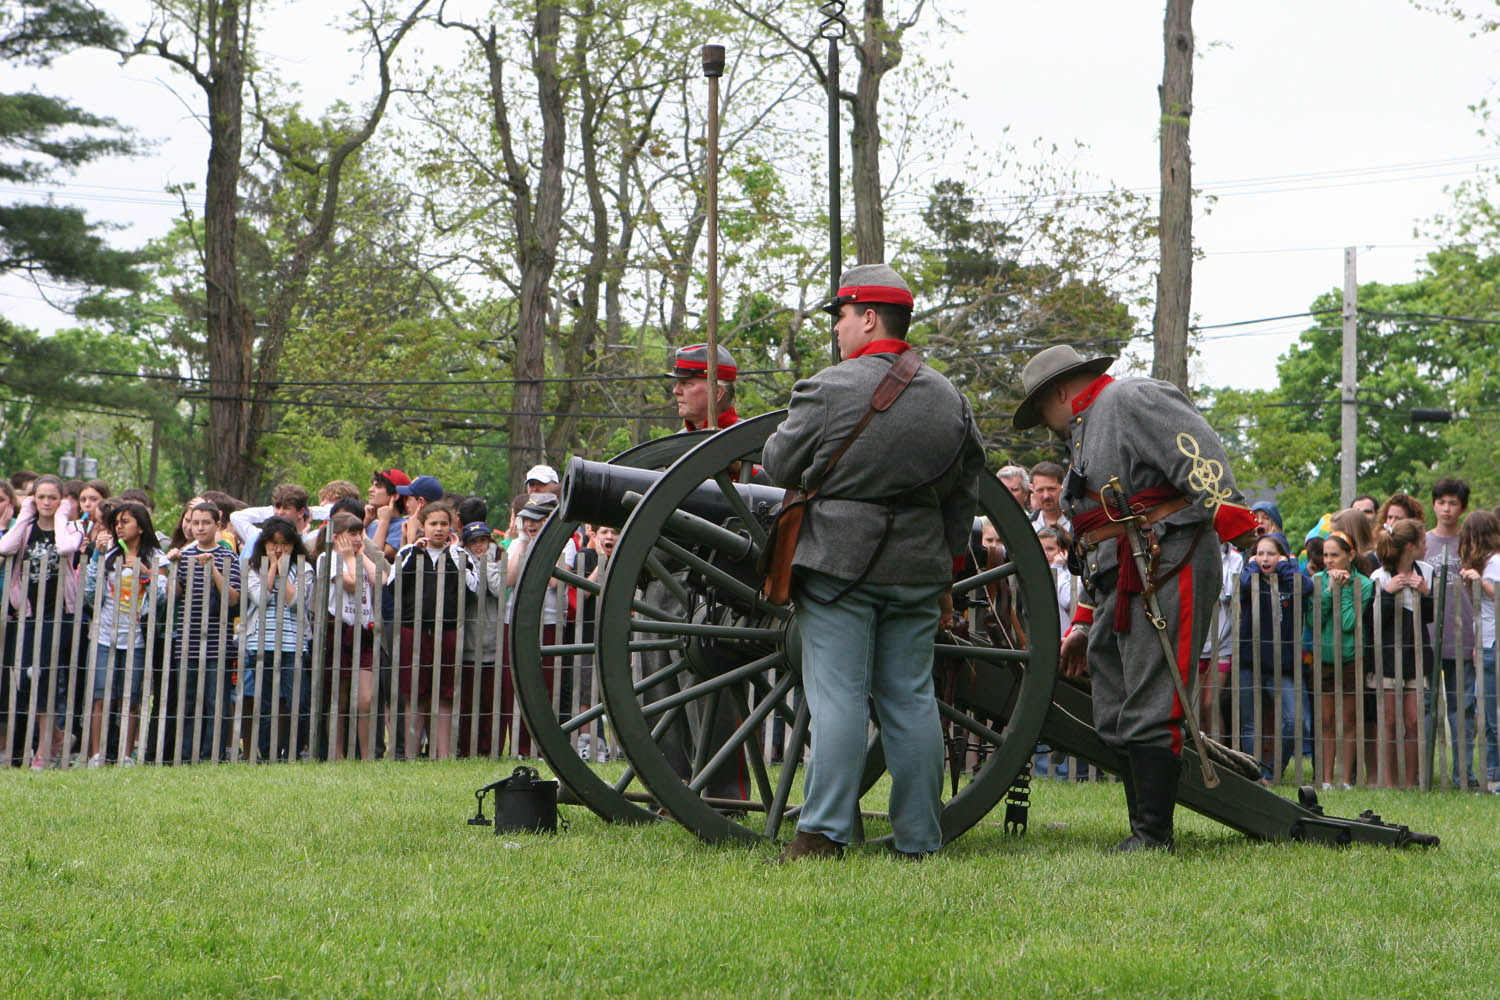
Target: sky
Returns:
[[1317, 124]]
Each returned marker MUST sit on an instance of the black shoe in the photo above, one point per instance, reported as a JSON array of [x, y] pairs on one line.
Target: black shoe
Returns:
[[1153, 773]]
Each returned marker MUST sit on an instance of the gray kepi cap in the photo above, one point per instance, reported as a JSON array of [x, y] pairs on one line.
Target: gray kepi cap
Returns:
[[1047, 367], [871, 283]]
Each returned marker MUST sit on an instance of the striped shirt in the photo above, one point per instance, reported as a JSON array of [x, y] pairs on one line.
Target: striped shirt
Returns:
[[197, 598]]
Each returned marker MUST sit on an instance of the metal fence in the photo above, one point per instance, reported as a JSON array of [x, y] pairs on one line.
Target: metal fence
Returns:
[[1381, 707], [203, 667], [115, 662]]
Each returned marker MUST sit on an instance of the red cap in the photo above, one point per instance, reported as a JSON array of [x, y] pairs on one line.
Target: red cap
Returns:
[[394, 476]]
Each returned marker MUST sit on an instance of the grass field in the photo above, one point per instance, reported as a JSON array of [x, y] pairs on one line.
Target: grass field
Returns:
[[364, 880]]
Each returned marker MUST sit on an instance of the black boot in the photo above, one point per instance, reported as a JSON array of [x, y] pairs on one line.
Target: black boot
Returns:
[[1153, 773]]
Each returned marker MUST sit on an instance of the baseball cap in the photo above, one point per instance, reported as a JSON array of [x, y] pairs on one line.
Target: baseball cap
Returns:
[[475, 530], [539, 508], [395, 477], [541, 474], [426, 487]]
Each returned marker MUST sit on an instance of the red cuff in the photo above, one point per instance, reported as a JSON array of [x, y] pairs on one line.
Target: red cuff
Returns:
[[1082, 615], [1231, 521], [959, 563]]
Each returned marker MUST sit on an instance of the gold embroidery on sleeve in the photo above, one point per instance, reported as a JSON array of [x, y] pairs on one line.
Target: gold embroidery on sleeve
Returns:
[[1207, 475]]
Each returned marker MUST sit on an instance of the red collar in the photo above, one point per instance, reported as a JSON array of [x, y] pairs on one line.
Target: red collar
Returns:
[[1083, 399], [726, 418], [891, 346]]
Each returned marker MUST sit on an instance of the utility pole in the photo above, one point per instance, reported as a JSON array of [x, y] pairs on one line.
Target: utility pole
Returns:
[[1348, 409], [832, 31]]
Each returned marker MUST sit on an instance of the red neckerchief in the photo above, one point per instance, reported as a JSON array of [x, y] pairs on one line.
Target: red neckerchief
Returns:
[[726, 418], [891, 346], [1083, 399]]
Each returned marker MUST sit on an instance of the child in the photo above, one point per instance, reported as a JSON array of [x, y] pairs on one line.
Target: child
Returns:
[[1479, 554], [429, 640], [1403, 586], [350, 640], [130, 566], [483, 617], [42, 588], [1217, 655], [1273, 583], [1055, 545], [1340, 626], [275, 629], [207, 584], [530, 518]]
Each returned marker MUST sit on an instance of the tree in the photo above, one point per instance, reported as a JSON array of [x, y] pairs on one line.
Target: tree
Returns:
[[210, 41], [1174, 285], [1423, 344], [41, 136]]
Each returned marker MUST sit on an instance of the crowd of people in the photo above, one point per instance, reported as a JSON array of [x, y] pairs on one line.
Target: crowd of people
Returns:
[[1362, 649], [204, 635]]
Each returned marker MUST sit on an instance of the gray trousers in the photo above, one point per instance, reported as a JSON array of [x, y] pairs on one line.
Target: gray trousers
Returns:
[[1135, 702]]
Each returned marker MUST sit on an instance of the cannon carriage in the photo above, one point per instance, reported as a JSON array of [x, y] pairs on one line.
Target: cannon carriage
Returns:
[[694, 664]]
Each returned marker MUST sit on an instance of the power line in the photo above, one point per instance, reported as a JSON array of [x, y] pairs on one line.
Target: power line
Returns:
[[339, 383]]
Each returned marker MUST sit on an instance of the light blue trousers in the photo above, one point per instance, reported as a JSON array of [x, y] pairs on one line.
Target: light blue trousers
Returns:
[[876, 642]]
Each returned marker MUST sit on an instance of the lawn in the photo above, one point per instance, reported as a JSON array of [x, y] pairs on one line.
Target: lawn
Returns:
[[364, 880]]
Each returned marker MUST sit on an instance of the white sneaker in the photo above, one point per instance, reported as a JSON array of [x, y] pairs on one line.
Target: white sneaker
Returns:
[[97, 760], [127, 762]]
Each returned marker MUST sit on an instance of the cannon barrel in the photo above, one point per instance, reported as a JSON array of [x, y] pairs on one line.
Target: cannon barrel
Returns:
[[594, 492]]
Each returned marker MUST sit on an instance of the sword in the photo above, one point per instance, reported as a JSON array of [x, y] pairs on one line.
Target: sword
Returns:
[[1117, 509]]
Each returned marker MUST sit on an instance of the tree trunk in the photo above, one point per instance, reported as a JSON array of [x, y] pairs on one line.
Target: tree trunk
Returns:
[[879, 51], [537, 228], [231, 331], [1174, 282]]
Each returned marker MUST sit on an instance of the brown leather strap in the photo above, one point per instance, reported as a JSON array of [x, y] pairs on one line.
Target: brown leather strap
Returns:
[[1114, 529], [886, 393]]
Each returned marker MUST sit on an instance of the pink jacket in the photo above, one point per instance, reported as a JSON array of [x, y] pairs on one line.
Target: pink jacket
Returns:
[[13, 543]]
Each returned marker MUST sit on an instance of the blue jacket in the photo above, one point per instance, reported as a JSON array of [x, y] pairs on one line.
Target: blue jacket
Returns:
[[1277, 650]]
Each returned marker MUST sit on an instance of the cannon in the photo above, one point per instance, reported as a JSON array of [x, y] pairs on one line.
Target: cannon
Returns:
[[685, 641]]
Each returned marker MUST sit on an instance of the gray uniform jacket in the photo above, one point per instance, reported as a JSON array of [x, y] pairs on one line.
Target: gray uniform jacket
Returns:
[[911, 471], [1147, 433]]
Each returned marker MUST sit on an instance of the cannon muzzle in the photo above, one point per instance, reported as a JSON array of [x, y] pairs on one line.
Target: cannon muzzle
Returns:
[[594, 492]]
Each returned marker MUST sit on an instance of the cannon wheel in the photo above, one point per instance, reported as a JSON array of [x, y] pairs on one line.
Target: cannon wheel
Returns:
[[554, 739], [747, 646]]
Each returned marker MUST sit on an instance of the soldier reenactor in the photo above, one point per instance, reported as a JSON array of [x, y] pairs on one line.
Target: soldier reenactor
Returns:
[[1148, 478], [874, 562], [690, 386]]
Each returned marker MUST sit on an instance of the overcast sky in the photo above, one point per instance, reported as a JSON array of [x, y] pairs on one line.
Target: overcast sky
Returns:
[[1317, 123]]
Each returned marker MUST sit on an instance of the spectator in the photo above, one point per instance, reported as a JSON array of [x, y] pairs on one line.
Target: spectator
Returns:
[[275, 633], [1345, 597], [128, 571], [543, 479], [473, 510], [1055, 545], [1046, 494], [1217, 656], [1403, 586], [336, 490], [1267, 517], [227, 506], [350, 641], [42, 587], [1356, 526], [419, 493], [1479, 554], [531, 518], [22, 482], [1314, 553], [1369, 507], [207, 577], [181, 535], [1400, 507], [1018, 481], [484, 613], [385, 513], [1450, 501], [94, 492], [429, 626], [289, 502], [7, 505], [1272, 589]]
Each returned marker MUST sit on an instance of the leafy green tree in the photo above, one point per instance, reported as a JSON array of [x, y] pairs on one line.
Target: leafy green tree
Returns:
[[42, 136]]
